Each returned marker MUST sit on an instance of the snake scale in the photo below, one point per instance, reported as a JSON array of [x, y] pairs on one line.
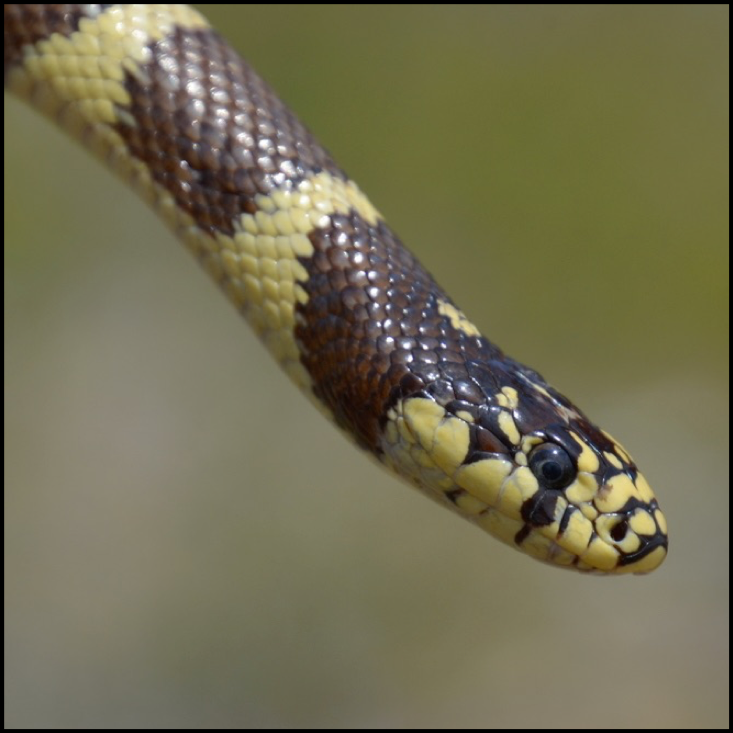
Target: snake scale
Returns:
[[346, 310]]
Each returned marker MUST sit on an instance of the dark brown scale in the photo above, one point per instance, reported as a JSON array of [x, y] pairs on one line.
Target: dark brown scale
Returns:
[[371, 320], [234, 140], [28, 24]]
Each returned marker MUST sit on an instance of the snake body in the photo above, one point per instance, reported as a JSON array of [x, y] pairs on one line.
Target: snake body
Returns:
[[348, 312]]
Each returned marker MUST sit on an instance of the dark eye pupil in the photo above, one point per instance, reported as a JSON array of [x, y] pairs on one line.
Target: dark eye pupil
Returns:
[[552, 466], [551, 470]]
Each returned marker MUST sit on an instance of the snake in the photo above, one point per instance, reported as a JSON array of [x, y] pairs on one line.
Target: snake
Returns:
[[346, 310]]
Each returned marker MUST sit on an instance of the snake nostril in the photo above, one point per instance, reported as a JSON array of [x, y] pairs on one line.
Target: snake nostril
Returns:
[[618, 533]]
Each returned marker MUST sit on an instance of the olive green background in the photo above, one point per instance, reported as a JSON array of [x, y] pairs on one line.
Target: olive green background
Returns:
[[189, 544]]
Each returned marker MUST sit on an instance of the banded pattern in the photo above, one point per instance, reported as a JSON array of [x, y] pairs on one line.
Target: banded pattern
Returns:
[[343, 306]]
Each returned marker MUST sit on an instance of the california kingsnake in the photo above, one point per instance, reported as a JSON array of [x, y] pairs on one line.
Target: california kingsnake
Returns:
[[343, 306]]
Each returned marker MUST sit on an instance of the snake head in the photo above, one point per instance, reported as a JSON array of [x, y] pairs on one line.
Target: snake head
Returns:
[[508, 452]]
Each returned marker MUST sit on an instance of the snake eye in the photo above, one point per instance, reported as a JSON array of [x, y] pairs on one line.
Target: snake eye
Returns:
[[552, 466]]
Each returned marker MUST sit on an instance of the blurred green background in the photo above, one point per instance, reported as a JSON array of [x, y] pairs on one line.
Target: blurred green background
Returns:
[[188, 544]]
